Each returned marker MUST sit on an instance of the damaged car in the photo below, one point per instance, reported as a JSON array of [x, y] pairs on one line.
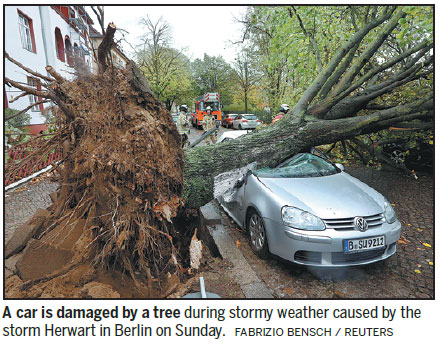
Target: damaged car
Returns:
[[307, 210]]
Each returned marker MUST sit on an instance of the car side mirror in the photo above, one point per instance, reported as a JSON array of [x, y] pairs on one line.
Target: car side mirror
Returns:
[[340, 166]]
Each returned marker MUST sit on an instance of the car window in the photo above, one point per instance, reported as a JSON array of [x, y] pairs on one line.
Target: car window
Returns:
[[250, 116], [299, 166]]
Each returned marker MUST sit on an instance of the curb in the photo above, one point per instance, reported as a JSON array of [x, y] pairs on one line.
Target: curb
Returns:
[[244, 275]]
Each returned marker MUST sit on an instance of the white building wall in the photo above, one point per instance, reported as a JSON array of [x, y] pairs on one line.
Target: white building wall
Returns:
[[55, 20], [45, 20], [35, 61]]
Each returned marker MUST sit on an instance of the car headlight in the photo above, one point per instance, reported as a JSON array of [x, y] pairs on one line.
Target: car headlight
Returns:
[[299, 219], [389, 212]]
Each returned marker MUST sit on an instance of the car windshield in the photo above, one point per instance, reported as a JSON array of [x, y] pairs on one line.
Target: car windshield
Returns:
[[299, 166], [249, 116], [213, 105]]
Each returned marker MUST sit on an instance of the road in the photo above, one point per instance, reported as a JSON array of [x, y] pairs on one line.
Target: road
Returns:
[[195, 134]]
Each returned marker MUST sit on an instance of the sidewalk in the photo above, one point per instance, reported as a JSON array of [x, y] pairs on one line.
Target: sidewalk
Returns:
[[22, 202], [244, 275]]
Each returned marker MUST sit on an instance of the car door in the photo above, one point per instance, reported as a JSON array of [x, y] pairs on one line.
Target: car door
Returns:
[[236, 122], [235, 201]]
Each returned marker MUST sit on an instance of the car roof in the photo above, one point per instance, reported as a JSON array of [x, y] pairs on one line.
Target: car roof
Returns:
[[232, 134]]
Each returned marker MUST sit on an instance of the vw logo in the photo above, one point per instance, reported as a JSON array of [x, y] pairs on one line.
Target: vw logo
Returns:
[[360, 223]]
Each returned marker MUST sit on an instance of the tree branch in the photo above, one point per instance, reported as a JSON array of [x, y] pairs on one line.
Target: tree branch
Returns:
[[46, 95], [55, 74], [46, 78], [329, 107], [370, 50], [322, 77], [18, 97], [105, 47], [27, 90], [25, 110], [310, 37]]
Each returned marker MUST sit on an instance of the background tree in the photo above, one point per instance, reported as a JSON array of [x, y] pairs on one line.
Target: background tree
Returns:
[[164, 67], [214, 74], [247, 74]]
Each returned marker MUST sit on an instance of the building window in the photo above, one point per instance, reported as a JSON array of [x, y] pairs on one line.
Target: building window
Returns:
[[26, 32], [36, 84], [59, 45], [69, 52]]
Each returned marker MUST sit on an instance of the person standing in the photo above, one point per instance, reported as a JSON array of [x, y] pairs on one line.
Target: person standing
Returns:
[[183, 126], [283, 110], [209, 122]]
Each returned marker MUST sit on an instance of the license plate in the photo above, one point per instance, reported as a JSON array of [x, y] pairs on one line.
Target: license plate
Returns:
[[360, 245]]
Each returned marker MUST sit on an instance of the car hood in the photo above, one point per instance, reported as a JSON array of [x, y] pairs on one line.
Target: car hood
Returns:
[[335, 196]]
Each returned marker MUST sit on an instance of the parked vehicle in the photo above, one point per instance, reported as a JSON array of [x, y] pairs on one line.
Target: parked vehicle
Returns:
[[227, 121], [231, 135], [208, 99], [246, 121], [309, 211]]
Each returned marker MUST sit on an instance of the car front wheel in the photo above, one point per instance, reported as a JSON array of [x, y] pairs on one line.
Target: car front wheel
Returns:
[[258, 236]]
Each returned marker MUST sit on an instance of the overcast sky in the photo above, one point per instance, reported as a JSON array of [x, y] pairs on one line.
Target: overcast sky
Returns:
[[201, 29]]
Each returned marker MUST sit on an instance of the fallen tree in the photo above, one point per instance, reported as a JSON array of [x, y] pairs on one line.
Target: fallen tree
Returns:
[[125, 175], [332, 108]]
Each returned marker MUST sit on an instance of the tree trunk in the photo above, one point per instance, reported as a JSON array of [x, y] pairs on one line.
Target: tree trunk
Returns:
[[245, 100], [274, 144]]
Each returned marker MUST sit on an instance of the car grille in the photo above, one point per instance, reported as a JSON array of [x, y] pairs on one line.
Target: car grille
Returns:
[[309, 257], [341, 258], [347, 224]]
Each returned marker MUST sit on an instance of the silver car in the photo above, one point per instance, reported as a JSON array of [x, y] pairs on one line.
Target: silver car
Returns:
[[245, 121], [310, 212]]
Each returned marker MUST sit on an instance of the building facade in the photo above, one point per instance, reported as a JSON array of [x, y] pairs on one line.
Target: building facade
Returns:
[[118, 57], [37, 36]]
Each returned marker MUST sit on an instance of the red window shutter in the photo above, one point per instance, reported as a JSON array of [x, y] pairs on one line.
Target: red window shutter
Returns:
[[65, 11], [59, 45], [41, 106], [6, 99], [32, 35]]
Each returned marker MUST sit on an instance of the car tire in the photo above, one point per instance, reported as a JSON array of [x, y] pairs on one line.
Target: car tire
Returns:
[[258, 236], [240, 127]]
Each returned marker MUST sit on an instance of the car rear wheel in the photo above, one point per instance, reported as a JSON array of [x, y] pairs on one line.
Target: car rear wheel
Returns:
[[240, 127], [258, 236]]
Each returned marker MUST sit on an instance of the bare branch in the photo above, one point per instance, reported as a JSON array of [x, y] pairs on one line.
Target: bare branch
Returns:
[[27, 89], [105, 47], [25, 110], [18, 97], [99, 12], [55, 74], [47, 78]]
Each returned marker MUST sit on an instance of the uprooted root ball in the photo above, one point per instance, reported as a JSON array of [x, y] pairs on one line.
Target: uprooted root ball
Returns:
[[122, 173]]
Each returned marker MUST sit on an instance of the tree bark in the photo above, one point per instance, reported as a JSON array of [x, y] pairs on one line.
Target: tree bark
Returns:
[[105, 47]]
